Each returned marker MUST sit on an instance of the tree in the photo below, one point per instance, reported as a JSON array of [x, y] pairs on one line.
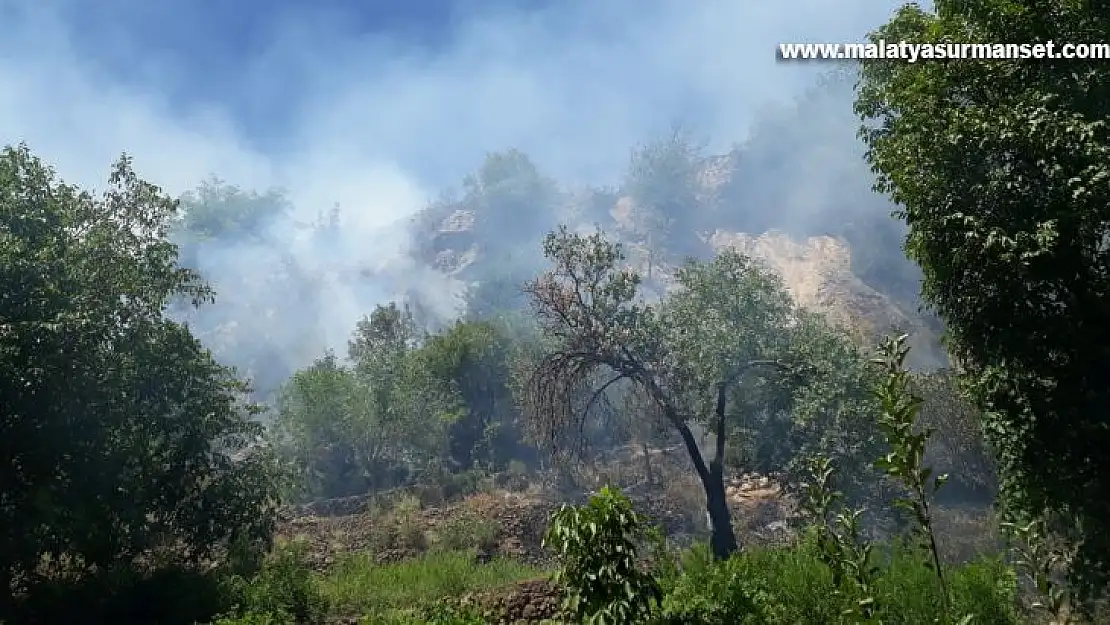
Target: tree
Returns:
[[663, 182], [327, 430], [358, 427], [509, 196], [218, 210], [119, 434], [729, 318], [472, 359], [1002, 172]]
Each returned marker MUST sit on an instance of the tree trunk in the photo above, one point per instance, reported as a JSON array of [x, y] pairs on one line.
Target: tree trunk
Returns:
[[649, 477], [722, 541]]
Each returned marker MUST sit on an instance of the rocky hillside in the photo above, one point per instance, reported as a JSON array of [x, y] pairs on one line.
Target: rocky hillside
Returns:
[[818, 273], [818, 270]]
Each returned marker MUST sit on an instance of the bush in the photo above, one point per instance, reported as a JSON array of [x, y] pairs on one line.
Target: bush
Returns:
[[468, 531], [792, 586], [283, 589], [597, 544]]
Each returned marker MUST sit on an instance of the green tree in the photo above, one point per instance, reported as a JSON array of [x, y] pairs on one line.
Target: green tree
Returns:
[[370, 424], [218, 210], [780, 422], [509, 196], [1002, 172], [119, 433], [239, 242], [327, 430], [728, 318], [472, 359], [664, 183]]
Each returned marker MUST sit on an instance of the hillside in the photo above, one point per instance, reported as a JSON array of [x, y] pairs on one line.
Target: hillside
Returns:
[[460, 241]]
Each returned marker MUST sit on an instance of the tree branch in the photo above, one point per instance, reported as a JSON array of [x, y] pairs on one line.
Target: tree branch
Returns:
[[599, 392], [718, 461]]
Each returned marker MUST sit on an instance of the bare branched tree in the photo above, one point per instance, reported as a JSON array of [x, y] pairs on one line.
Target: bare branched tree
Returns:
[[730, 317]]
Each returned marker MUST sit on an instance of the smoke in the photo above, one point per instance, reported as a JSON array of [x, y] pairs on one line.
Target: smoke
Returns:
[[380, 112]]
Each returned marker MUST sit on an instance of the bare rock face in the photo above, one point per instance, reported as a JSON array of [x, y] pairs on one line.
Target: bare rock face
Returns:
[[454, 242], [817, 273]]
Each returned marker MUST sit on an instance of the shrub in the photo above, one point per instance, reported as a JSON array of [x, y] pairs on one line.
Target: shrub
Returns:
[[284, 587], [468, 531], [792, 586], [597, 544]]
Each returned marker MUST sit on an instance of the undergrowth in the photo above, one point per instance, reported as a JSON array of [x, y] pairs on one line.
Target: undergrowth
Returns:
[[616, 569]]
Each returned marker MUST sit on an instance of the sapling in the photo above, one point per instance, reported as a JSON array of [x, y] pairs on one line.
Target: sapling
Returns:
[[838, 539], [899, 408]]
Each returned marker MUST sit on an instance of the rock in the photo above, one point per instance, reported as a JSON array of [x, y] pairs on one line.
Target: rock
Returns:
[[818, 274]]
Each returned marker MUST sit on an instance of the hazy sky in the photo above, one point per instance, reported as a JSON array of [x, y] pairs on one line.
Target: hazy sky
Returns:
[[380, 104], [377, 103]]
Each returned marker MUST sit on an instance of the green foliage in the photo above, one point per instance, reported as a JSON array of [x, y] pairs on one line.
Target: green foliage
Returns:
[[120, 436], [508, 194], [468, 531], [354, 428], [838, 541], [216, 209], [792, 586], [283, 588], [694, 357], [598, 546], [838, 544], [472, 360], [1001, 170], [906, 460], [663, 181], [1036, 558], [825, 408], [256, 618]]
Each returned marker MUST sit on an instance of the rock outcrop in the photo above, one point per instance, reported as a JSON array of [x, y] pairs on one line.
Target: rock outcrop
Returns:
[[818, 274], [817, 270]]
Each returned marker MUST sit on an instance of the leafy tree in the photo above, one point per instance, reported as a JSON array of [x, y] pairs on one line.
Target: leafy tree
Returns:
[[729, 318], [509, 196], [779, 422], [472, 359], [119, 433], [663, 181], [329, 433], [1002, 170], [354, 428], [216, 209]]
